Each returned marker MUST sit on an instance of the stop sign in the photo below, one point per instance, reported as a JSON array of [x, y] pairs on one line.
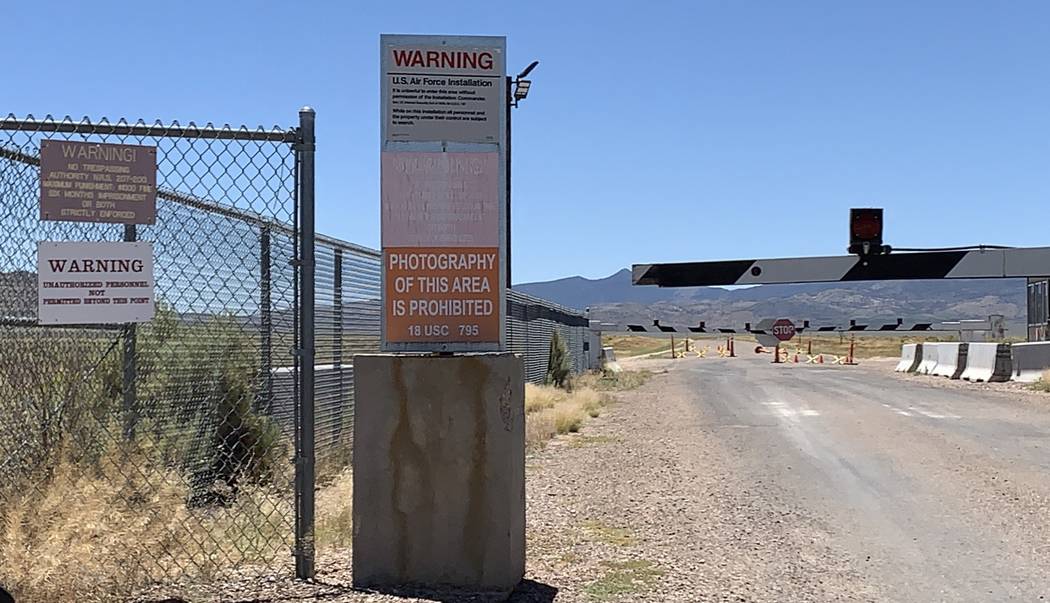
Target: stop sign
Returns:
[[783, 329]]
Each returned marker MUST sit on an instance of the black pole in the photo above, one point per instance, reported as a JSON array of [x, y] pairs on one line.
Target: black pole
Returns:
[[304, 461], [129, 361], [506, 155]]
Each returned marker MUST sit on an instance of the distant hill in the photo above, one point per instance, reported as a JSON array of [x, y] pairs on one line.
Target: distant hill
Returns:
[[614, 299]]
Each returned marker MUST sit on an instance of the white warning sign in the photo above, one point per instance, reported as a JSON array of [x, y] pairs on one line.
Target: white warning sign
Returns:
[[94, 283]]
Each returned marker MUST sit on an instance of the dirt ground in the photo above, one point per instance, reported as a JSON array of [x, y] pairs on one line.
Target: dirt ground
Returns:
[[637, 506]]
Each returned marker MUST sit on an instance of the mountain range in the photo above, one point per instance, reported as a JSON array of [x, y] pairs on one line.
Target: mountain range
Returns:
[[615, 299]]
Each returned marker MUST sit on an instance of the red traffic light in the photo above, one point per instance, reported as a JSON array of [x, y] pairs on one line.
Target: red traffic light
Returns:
[[866, 226], [865, 231]]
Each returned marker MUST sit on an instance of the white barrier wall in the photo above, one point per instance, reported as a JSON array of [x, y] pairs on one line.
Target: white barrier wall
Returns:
[[911, 358], [1030, 360], [988, 362], [951, 360], [929, 358]]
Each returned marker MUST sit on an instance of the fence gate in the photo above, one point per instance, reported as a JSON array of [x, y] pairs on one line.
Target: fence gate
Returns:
[[138, 453]]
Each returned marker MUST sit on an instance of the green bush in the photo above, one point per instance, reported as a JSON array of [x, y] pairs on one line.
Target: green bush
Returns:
[[559, 366], [194, 408]]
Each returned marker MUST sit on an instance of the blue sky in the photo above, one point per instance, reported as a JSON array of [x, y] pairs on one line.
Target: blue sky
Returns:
[[653, 132]]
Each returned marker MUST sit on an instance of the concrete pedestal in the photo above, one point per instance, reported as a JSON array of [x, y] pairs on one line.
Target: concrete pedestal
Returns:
[[439, 471]]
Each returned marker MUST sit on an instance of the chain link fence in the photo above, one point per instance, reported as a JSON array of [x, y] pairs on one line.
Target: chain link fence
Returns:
[[167, 450], [147, 452]]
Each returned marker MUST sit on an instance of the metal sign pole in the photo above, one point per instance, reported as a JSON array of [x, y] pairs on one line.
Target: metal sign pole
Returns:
[[304, 460], [130, 362]]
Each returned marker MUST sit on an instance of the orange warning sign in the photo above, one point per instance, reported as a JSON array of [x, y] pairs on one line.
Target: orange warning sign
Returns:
[[445, 294]]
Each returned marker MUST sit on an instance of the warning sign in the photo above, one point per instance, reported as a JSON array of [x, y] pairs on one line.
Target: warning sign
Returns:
[[432, 199], [442, 93], [94, 182], [94, 283], [442, 294], [443, 185]]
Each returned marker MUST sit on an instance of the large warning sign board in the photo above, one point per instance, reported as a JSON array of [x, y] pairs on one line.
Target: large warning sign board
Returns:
[[94, 283], [435, 91], [442, 208], [95, 182]]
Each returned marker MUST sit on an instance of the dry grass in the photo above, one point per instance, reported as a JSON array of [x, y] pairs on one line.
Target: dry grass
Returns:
[[626, 346], [609, 534], [101, 535], [550, 411], [541, 397], [622, 578], [334, 512], [865, 346], [1043, 385], [868, 345], [95, 533], [567, 420], [615, 382], [100, 531], [586, 440]]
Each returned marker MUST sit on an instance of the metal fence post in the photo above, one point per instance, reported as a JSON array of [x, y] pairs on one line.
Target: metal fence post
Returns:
[[337, 335], [265, 322], [130, 406], [304, 462]]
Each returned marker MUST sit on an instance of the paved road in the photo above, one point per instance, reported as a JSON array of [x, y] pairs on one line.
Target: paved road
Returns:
[[937, 494]]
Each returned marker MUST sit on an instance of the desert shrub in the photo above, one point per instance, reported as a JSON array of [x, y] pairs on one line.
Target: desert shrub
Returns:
[[193, 446], [551, 411], [199, 397], [559, 365], [538, 397], [567, 420]]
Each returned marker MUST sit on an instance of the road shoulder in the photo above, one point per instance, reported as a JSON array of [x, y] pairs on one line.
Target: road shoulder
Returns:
[[651, 502]]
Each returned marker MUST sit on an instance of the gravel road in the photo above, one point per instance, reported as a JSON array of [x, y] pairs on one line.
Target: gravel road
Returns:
[[737, 480], [936, 491]]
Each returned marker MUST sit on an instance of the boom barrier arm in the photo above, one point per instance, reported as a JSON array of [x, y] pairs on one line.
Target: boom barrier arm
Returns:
[[980, 263]]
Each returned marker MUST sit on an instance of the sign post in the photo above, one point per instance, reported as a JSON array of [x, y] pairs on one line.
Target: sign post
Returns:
[[783, 329], [439, 417], [443, 193]]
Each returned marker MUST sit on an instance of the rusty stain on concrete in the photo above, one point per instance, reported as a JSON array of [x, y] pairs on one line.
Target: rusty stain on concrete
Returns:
[[439, 471], [405, 454], [474, 531]]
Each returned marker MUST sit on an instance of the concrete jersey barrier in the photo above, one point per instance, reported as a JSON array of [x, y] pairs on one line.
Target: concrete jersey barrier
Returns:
[[988, 362], [911, 358], [1030, 360], [951, 360], [929, 358]]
